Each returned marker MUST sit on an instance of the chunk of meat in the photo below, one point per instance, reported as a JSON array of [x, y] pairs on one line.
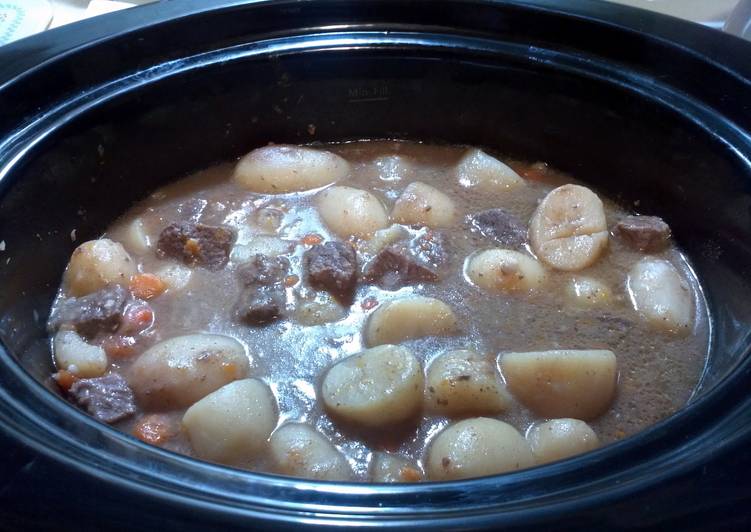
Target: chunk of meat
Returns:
[[644, 233], [264, 270], [259, 305], [196, 244], [90, 314], [107, 399], [408, 261], [332, 267], [500, 226]]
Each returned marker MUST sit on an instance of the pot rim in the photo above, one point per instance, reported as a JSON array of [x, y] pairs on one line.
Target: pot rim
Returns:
[[667, 449]]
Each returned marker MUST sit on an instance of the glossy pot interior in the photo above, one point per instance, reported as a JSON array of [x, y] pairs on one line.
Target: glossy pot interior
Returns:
[[87, 132]]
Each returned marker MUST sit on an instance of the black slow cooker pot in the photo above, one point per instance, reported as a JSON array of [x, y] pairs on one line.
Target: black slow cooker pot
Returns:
[[649, 109]]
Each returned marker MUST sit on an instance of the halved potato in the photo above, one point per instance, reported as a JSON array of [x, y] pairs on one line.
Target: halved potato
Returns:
[[561, 438], [281, 168], [298, 450], [422, 204], [348, 211], [97, 263], [412, 317], [378, 387], [178, 372], [660, 296], [562, 383], [464, 382], [232, 424], [477, 447], [504, 270], [568, 231], [478, 170]]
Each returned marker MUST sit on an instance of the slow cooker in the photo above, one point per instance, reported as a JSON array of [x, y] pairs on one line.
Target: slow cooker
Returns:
[[95, 115]]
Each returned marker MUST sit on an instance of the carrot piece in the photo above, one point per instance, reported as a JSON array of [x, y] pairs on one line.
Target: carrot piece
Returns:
[[291, 280], [409, 474], [147, 286], [65, 379], [312, 239], [155, 429], [119, 347]]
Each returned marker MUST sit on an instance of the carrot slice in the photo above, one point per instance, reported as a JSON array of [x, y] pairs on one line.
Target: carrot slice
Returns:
[[65, 379], [312, 239], [155, 429], [147, 286]]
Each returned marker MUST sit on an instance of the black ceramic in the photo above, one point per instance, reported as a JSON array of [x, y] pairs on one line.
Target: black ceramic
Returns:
[[648, 109]]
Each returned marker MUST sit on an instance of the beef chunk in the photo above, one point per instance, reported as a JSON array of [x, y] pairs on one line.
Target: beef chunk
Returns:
[[408, 261], [501, 226], [261, 304], [95, 312], [332, 267], [196, 244], [645, 233], [264, 270], [108, 399]]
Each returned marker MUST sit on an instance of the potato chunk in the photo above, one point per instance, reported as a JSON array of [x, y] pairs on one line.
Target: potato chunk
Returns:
[[475, 448], [298, 450], [568, 230], [464, 382], [588, 292], [137, 239], [180, 371], [412, 317], [378, 387], [561, 438], [504, 270], [97, 263], [81, 359], [478, 170], [350, 211], [660, 296], [232, 424], [279, 169], [392, 468], [175, 275], [563, 383], [424, 205]]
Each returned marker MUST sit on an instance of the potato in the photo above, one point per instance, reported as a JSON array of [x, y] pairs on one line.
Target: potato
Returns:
[[269, 219], [411, 317], [383, 238], [390, 468], [422, 204], [178, 372], [464, 382], [95, 264], [376, 388], [568, 231], [232, 424], [175, 275], [478, 170], [503, 270], [298, 450], [136, 238], [318, 309], [477, 447], [350, 211], [393, 167], [562, 383], [82, 359], [263, 244], [660, 296], [279, 169], [561, 438], [588, 292]]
